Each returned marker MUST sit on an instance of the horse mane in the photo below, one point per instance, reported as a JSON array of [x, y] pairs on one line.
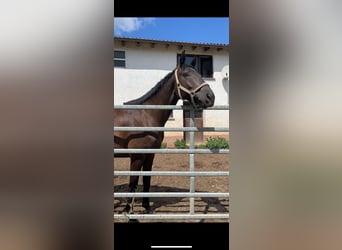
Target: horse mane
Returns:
[[151, 92]]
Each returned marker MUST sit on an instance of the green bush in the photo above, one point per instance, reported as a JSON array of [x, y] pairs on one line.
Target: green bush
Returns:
[[212, 143], [180, 144], [217, 143], [163, 145]]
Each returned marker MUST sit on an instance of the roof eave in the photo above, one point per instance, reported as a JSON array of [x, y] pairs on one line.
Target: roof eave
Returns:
[[177, 43]]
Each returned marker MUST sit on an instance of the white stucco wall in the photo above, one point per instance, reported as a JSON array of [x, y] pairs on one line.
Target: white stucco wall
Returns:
[[146, 66]]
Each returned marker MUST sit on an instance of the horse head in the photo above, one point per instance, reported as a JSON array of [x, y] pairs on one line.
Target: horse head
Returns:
[[191, 86]]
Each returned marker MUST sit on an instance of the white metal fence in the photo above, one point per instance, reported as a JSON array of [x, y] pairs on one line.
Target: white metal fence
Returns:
[[191, 173]]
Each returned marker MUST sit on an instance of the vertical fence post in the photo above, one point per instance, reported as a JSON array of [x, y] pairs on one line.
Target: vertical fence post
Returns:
[[192, 159]]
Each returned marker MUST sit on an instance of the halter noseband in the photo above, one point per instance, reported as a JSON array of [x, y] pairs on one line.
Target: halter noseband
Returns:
[[190, 92]]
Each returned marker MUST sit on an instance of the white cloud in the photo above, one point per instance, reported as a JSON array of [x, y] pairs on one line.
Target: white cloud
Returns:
[[130, 24]]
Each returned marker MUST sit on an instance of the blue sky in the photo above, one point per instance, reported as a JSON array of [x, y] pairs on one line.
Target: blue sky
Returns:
[[201, 30]]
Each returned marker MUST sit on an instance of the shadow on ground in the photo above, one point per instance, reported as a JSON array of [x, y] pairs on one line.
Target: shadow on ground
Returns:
[[173, 204]]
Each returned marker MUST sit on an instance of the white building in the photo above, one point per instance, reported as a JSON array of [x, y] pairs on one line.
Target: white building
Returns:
[[139, 64]]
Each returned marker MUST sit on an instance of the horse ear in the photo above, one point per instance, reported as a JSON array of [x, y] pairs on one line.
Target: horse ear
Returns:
[[193, 62], [182, 58]]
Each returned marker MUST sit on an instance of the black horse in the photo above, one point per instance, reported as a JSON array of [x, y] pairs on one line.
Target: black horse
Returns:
[[184, 83]]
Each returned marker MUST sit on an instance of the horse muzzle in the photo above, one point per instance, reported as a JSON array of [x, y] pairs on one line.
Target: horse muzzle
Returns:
[[204, 98]]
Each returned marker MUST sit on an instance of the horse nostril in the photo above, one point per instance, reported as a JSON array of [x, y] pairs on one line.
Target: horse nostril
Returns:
[[209, 96]]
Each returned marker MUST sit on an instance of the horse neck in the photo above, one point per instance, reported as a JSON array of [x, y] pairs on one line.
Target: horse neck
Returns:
[[165, 96]]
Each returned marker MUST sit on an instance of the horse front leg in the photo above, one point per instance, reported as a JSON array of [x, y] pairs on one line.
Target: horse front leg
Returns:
[[147, 166], [136, 164]]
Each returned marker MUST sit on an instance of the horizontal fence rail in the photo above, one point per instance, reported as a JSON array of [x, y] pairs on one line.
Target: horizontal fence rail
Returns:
[[174, 107], [192, 194], [186, 129], [171, 195], [170, 173], [170, 216], [170, 151]]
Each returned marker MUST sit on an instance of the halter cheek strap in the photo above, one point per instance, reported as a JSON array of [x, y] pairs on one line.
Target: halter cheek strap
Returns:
[[190, 92]]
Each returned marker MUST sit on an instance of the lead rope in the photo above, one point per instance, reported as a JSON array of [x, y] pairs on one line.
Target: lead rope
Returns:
[[131, 207], [190, 92], [131, 210]]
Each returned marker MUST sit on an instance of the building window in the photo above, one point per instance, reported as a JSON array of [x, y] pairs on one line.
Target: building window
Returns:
[[119, 59], [204, 64]]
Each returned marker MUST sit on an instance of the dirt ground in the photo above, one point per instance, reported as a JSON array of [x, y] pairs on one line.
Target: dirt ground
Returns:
[[178, 162]]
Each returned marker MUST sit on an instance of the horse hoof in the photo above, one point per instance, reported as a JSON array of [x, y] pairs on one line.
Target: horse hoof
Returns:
[[149, 211], [129, 209]]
